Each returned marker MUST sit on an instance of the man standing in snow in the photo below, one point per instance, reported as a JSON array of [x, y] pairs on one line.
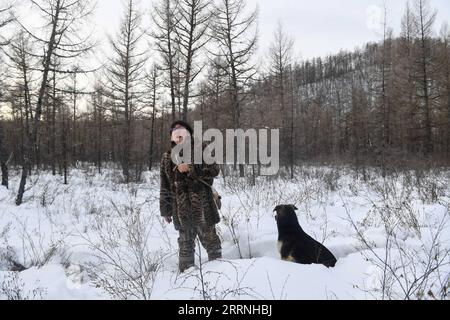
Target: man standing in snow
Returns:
[[186, 199]]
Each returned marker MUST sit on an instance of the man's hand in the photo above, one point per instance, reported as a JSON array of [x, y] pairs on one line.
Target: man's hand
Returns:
[[168, 219], [183, 168]]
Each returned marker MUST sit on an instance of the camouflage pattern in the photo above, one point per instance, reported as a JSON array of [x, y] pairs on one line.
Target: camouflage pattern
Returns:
[[191, 205]]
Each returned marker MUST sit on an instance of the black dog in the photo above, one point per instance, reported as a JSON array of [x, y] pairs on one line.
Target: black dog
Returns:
[[295, 245]]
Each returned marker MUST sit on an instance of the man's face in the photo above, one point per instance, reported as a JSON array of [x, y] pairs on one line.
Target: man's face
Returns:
[[179, 134]]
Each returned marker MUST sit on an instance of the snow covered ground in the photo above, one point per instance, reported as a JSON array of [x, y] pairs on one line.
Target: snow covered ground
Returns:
[[99, 239]]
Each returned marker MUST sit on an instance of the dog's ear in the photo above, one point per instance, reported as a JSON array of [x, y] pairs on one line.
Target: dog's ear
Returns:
[[294, 207], [277, 208]]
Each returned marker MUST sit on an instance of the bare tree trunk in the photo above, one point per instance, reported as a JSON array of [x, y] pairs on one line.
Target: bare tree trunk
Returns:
[[445, 63], [53, 126], [448, 109], [162, 131], [152, 139], [292, 150], [65, 150], [428, 148], [23, 178], [3, 157], [165, 22], [152, 130], [186, 92], [236, 108], [425, 23], [237, 52], [99, 143], [98, 107], [191, 31], [281, 63], [113, 142]]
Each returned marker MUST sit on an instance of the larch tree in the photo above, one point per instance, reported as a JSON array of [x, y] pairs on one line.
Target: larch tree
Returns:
[[62, 38], [445, 63], [424, 68], [404, 85], [152, 84], [383, 82], [281, 56], [236, 34], [99, 109], [124, 74], [216, 79], [6, 17], [165, 19], [193, 23]]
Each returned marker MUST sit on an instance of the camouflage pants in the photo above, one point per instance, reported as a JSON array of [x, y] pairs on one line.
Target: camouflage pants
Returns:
[[187, 241]]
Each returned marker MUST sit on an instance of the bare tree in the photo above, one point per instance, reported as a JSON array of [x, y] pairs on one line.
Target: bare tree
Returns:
[[4, 20], [424, 18], [216, 84], [193, 23], [65, 41], [98, 104], [6, 17], [236, 36], [165, 20], [21, 63], [74, 89], [404, 84], [152, 84], [445, 56], [125, 74], [3, 158], [382, 87], [281, 54], [127, 267]]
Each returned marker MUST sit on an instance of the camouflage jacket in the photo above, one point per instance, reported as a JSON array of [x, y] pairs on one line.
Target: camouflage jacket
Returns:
[[186, 199]]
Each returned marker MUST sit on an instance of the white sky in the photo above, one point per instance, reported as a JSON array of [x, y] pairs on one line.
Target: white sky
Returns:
[[319, 27]]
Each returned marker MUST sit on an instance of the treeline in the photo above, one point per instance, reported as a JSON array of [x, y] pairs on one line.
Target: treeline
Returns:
[[386, 104]]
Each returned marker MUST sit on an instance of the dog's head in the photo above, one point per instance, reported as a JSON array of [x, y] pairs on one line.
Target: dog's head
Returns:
[[286, 212]]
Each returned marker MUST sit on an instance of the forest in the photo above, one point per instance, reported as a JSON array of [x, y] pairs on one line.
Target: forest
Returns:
[[385, 104], [364, 152]]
